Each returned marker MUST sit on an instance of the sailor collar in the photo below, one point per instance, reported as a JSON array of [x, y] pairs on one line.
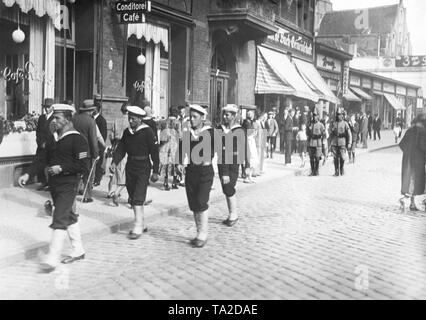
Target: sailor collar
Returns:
[[196, 136], [58, 138], [226, 130], [142, 126]]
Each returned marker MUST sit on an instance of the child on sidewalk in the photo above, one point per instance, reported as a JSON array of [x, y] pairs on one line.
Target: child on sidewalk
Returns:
[[302, 143]]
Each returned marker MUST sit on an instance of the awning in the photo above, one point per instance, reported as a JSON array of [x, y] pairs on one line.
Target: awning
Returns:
[[149, 32], [350, 96], [315, 80], [394, 102], [41, 7], [361, 93], [277, 75]]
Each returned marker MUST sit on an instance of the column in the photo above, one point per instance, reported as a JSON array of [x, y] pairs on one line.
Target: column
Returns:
[[49, 68], [149, 71], [156, 76]]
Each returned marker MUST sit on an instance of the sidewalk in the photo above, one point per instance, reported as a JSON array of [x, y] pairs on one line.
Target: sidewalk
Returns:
[[24, 228]]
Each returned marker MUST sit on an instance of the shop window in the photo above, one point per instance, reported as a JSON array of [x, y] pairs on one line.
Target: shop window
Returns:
[[135, 80], [300, 12], [64, 73], [181, 5]]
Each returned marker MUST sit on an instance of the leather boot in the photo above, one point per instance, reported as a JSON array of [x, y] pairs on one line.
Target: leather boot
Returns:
[[342, 165], [55, 249], [336, 167], [312, 160], [317, 162], [78, 252]]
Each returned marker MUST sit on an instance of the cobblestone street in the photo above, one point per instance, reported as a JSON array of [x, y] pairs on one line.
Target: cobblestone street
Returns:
[[298, 238]]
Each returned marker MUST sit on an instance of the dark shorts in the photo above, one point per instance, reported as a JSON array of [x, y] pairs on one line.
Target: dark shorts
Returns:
[[229, 189], [198, 184], [64, 192], [137, 180], [302, 146]]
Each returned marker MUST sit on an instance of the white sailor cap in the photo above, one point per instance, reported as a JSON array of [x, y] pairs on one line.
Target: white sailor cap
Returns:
[[136, 110], [60, 107], [198, 108], [231, 108]]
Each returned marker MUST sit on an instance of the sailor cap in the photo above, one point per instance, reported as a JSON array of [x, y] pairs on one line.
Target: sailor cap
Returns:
[[60, 107], [198, 108], [231, 108], [136, 110]]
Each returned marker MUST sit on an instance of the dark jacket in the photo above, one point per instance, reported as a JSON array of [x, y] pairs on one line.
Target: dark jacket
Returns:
[[43, 130], [86, 125], [370, 122], [102, 125], [377, 124], [288, 129]]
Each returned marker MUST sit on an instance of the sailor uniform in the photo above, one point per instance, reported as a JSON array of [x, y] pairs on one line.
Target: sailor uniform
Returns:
[[199, 172], [139, 147], [316, 136], [228, 164], [71, 152]]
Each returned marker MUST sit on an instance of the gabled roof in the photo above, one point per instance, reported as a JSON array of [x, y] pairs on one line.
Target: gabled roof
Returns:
[[381, 21]]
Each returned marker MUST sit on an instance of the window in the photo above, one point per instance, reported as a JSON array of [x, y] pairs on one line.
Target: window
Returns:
[[300, 12], [181, 5]]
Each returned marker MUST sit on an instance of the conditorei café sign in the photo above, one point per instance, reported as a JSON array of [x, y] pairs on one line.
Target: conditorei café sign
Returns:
[[132, 11], [292, 41]]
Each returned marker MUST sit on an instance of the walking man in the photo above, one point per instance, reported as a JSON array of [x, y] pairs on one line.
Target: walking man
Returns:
[[66, 159], [288, 136], [103, 128], [199, 172], [272, 128], [140, 145], [316, 137], [370, 124], [341, 142], [377, 126], [363, 130], [228, 166]]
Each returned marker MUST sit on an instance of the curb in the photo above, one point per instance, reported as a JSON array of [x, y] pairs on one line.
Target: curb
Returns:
[[32, 251]]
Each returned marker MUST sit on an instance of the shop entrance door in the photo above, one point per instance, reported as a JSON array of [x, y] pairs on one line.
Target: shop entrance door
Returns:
[[218, 95]]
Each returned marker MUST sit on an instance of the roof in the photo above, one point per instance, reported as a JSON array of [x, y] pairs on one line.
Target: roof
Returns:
[[337, 46], [373, 75], [381, 21]]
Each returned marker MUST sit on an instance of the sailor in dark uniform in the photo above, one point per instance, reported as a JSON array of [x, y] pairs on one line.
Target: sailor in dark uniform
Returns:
[[316, 136], [341, 141], [66, 157], [140, 145], [231, 137], [198, 148]]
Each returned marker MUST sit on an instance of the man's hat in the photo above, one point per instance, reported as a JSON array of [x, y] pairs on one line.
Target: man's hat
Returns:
[[136, 110], [60, 107], [88, 105], [340, 111], [198, 108], [271, 113], [231, 108], [48, 102]]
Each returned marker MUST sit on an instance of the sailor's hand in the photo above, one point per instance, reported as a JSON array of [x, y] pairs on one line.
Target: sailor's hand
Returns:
[[55, 170], [22, 181], [226, 179], [154, 177], [112, 168]]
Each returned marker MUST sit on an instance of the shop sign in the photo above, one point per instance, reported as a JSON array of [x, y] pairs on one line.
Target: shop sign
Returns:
[[410, 61], [293, 41], [132, 11], [366, 83], [377, 85], [142, 86], [401, 90], [333, 84], [388, 87], [355, 81], [329, 63], [412, 92], [29, 72], [345, 78]]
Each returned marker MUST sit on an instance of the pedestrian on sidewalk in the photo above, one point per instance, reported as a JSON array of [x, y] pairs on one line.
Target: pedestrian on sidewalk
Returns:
[[302, 144], [316, 136], [232, 138], [101, 123], [341, 142], [364, 130], [261, 142], [370, 124], [140, 145], [354, 126], [288, 136], [271, 126], [377, 126], [252, 158], [399, 122], [413, 146], [66, 158]]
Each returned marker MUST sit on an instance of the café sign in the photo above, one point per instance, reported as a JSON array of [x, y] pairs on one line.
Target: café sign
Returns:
[[293, 41], [132, 11]]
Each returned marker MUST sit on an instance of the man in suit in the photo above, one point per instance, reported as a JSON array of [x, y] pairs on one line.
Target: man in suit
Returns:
[[377, 126], [271, 126], [364, 130], [103, 129], [370, 124], [86, 125], [42, 134], [281, 123], [288, 136]]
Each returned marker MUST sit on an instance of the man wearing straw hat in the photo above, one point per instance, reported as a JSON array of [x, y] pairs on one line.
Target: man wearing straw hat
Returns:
[[66, 159], [140, 145]]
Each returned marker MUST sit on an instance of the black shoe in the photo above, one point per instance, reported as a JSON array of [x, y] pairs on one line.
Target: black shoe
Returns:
[[181, 184], [41, 188], [87, 200], [48, 208], [147, 202], [230, 223], [69, 260], [166, 187], [175, 186], [342, 172], [46, 268], [197, 243], [413, 208], [336, 174]]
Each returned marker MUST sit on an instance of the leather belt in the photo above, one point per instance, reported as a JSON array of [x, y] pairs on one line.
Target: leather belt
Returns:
[[138, 158], [316, 137]]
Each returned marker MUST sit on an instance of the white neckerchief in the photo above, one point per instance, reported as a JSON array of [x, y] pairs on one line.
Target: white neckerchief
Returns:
[[142, 126], [226, 130], [96, 116], [202, 129], [58, 138], [48, 115]]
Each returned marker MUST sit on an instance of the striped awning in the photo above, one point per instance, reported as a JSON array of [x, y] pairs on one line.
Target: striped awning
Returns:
[[394, 102], [361, 93], [350, 96], [315, 80], [277, 75]]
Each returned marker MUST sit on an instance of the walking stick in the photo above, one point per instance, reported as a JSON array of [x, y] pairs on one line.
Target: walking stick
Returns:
[[89, 179]]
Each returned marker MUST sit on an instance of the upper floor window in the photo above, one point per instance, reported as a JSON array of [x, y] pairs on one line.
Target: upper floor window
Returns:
[[299, 12], [181, 5]]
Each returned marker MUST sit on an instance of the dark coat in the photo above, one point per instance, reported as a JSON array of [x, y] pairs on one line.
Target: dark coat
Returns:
[[370, 122], [288, 129], [413, 146], [102, 125], [377, 124], [43, 130], [86, 125]]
